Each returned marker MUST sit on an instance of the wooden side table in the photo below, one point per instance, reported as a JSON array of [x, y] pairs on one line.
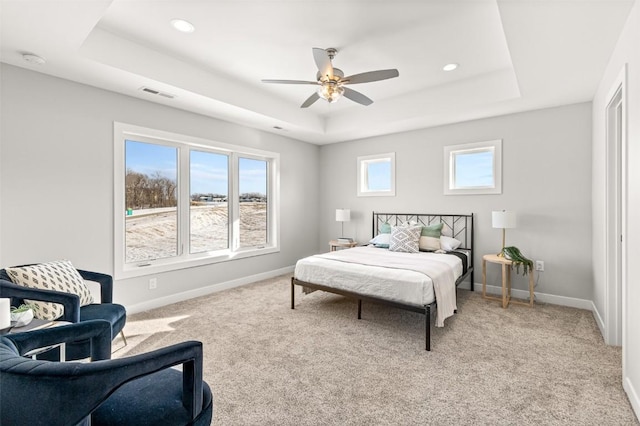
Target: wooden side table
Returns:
[[506, 281], [335, 244]]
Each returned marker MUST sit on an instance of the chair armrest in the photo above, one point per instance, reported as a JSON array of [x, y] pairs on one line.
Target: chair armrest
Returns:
[[189, 354], [71, 302], [98, 331], [79, 387], [105, 281]]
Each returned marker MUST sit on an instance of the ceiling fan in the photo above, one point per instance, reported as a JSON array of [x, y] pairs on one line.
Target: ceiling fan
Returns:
[[332, 80]]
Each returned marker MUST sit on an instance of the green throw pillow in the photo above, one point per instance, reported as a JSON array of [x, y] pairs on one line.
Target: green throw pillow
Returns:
[[385, 228], [432, 230]]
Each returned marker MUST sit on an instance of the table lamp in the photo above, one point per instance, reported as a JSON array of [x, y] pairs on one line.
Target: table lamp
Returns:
[[503, 219], [342, 216]]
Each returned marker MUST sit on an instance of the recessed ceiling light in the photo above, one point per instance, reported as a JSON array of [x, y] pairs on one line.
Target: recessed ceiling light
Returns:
[[450, 67], [182, 25], [33, 59]]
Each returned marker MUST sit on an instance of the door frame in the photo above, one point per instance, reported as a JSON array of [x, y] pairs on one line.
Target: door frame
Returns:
[[616, 212]]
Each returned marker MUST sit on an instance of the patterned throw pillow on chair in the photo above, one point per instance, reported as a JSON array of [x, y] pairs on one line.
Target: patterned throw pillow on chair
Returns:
[[56, 276], [405, 239]]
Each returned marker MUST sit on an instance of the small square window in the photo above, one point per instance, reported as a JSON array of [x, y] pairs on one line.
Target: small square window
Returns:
[[376, 175], [474, 168]]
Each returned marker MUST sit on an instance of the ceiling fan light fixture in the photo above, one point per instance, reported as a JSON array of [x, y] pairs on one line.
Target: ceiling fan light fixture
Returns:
[[330, 92], [330, 80], [182, 25], [450, 67]]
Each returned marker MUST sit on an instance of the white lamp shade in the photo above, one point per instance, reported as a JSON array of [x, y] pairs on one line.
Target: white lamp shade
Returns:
[[343, 215], [503, 219]]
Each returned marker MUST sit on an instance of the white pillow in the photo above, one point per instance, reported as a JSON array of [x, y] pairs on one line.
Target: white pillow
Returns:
[[410, 223], [448, 243], [405, 239], [56, 276], [381, 239], [429, 243]]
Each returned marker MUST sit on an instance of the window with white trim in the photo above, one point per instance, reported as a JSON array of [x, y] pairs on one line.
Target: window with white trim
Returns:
[[377, 175], [473, 168], [182, 201]]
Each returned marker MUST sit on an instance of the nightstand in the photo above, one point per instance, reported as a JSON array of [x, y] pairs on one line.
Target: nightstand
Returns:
[[335, 245], [506, 281]]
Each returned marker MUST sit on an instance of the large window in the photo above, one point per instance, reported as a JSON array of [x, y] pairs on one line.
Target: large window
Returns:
[[183, 201], [474, 168]]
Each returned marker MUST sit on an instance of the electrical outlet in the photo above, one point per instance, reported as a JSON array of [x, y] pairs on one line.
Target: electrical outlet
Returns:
[[540, 265], [153, 283]]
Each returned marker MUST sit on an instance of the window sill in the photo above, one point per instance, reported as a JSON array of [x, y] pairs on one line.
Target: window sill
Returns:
[[132, 271]]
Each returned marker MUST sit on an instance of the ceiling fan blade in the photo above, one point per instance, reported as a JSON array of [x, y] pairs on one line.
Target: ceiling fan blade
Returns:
[[289, 82], [367, 77], [356, 96], [323, 62], [310, 100]]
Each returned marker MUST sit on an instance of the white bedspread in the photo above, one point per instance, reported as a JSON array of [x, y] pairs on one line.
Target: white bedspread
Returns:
[[410, 278]]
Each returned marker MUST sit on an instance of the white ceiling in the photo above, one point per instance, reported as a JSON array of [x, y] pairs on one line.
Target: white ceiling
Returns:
[[514, 55]]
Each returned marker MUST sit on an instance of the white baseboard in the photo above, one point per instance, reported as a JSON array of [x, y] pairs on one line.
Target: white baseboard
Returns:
[[598, 318], [492, 289], [203, 291], [632, 395], [540, 297]]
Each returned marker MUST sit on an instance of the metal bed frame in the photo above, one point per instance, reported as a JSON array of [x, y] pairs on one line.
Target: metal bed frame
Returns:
[[454, 225]]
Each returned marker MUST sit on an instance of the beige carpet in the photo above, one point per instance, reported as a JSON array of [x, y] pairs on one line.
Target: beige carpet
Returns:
[[319, 365]]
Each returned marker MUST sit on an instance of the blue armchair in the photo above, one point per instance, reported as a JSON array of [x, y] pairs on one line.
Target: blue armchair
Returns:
[[114, 313], [140, 390]]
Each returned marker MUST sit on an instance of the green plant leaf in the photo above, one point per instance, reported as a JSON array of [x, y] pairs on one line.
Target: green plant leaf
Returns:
[[518, 259], [21, 308]]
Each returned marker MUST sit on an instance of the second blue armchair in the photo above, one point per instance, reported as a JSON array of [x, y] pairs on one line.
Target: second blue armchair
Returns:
[[114, 313]]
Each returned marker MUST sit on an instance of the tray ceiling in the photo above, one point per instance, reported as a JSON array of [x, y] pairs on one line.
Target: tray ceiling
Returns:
[[513, 56]]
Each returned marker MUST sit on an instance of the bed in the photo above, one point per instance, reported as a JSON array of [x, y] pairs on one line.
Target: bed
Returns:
[[417, 282]]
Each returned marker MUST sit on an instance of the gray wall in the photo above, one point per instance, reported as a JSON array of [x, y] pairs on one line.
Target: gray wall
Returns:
[[546, 180], [56, 181]]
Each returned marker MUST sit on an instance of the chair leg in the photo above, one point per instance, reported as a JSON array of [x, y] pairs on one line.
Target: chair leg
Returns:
[[123, 338]]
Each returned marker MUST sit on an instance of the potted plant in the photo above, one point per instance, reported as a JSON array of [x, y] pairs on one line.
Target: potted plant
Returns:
[[518, 259], [22, 315]]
